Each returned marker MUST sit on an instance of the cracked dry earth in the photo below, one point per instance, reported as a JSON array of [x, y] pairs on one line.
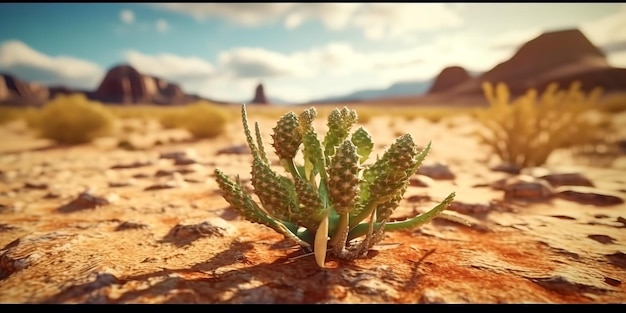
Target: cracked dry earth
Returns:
[[99, 224]]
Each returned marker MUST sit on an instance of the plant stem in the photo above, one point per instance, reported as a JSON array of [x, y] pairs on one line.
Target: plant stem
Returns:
[[340, 235]]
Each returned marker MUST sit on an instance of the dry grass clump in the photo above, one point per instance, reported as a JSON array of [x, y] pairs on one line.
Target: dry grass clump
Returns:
[[525, 131], [71, 119]]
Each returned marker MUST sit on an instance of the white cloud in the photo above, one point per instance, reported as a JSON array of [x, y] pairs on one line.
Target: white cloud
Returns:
[[127, 16], [161, 25], [375, 20], [609, 31], [31, 65], [617, 59], [395, 20], [334, 16], [171, 67], [258, 63]]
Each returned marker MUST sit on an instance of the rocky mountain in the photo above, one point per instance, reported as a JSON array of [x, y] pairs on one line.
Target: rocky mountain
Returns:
[[559, 56], [259, 95], [122, 85], [125, 85], [449, 78], [15, 92]]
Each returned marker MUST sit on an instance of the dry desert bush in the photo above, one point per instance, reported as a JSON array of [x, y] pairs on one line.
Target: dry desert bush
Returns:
[[525, 131], [71, 119], [201, 119]]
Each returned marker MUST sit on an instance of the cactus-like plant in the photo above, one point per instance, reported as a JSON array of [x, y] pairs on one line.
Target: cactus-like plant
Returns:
[[332, 198]]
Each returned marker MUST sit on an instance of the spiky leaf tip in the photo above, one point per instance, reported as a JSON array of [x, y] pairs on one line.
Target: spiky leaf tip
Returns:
[[287, 136], [363, 142], [339, 124], [306, 119]]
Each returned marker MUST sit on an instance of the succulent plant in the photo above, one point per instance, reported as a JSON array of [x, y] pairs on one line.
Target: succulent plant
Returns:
[[333, 199]]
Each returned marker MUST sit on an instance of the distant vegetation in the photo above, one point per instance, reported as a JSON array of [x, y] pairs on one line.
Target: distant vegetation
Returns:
[[525, 131], [201, 119], [71, 119]]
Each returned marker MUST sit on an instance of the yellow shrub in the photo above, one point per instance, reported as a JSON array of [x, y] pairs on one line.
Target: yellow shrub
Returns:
[[71, 119], [526, 131], [203, 120], [172, 118]]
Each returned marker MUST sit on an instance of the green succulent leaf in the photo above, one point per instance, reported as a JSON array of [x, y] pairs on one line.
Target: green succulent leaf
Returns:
[[339, 124], [408, 224], [363, 142]]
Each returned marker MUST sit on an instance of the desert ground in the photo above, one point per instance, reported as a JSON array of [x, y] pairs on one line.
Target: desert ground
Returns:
[[95, 223]]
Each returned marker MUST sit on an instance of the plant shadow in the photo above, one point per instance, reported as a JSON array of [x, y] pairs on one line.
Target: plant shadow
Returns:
[[289, 279]]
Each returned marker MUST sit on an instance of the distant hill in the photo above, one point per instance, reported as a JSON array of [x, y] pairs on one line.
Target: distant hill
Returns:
[[562, 56], [397, 89], [122, 85], [559, 56]]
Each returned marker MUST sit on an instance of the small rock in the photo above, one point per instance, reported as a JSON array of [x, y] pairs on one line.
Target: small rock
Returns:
[[618, 259], [165, 185], [131, 165], [141, 175], [84, 201], [6, 227], [603, 239], [527, 188], [563, 217], [126, 145], [238, 149], [436, 171], [182, 171], [35, 185], [567, 179], [184, 161], [469, 208], [185, 234], [612, 281], [6, 208], [588, 195], [126, 183], [173, 155], [127, 225], [52, 195], [507, 168], [563, 285]]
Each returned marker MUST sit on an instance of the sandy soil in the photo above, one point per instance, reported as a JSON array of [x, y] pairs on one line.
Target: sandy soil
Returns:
[[151, 231]]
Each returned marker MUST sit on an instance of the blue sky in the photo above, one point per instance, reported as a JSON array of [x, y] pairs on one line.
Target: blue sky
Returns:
[[299, 51]]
